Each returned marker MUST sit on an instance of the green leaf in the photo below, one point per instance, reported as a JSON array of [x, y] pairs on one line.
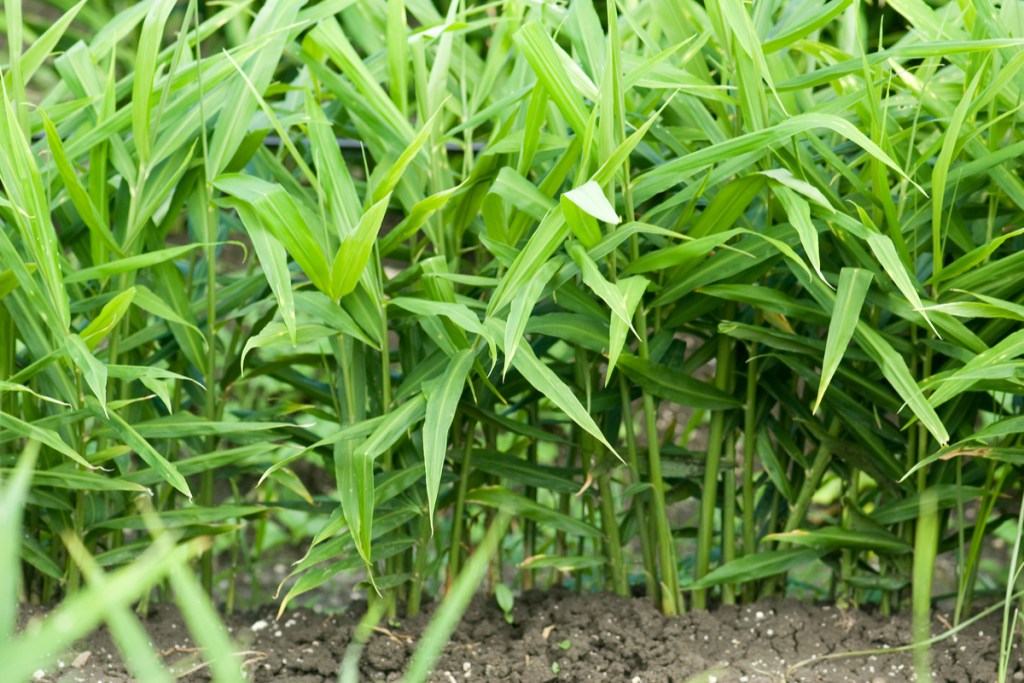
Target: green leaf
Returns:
[[674, 385], [941, 169], [521, 193], [83, 612], [964, 378], [681, 255], [885, 251], [8, 282], [522, 308], [76, 191], [442, 394], [522, 472], [270, 31], [45, 436], [521, 506], [12, 498], [673, 172], [632, 290], [503, 595], [563, 564], [543, 55], [188, 516], [319, 307], [129, 264], [276, 334], [10, 386], [546, 239], [597, 283], [66, 478], [331, 38], [168, 472], [582, 224], [590, 198], [785, 178], [799, 213], [898, 374], [757, 566], [93, 371], [283, 217], [906, 509], [40, 50], [834, 538], [544, 380], [23, 186], [394, 171], [148, 301], [892, 365], [353, 470], [803, 22], [354, 253], [107, 319], [206, 626], [341, 197], [274, 261], [853, 288], [394, 425], [145, 72]]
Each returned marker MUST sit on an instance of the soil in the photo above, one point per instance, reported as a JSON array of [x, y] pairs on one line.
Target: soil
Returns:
[[561, 636]]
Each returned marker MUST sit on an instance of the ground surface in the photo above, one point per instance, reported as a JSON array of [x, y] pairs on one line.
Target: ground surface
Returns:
[[560, 636]]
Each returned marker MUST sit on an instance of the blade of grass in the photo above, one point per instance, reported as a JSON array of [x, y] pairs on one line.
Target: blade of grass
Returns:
[[14, 490], [853, 288], [443, 395]]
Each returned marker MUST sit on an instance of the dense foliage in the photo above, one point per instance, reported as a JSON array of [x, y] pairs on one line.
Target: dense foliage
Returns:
[[715, 300]]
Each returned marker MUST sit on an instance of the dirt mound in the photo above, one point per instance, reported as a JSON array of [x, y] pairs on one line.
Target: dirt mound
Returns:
[[562, 636]]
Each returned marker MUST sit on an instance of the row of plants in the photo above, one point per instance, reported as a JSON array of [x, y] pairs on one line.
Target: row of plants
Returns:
[[707, 300]]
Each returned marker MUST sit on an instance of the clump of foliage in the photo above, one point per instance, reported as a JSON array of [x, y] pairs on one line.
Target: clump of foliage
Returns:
[[694, 296]]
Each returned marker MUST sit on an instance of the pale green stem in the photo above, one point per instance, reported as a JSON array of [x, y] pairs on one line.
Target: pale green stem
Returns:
[[709, 491], [926, 540], [749, 453], [729, 519], [639, 503]]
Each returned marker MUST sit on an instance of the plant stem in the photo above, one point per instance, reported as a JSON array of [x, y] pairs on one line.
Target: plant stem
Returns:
[[419, 567], [749, 451], [995, 479], [813, 478], [729, 519], [458, 518], [639, 503], [926, 539], [620, 580], [709, 491], [1015, 569], [529, 526], [209, 232], [671, 597]]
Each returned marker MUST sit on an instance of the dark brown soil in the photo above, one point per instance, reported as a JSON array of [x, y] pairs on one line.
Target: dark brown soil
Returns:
[[561, 636]]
